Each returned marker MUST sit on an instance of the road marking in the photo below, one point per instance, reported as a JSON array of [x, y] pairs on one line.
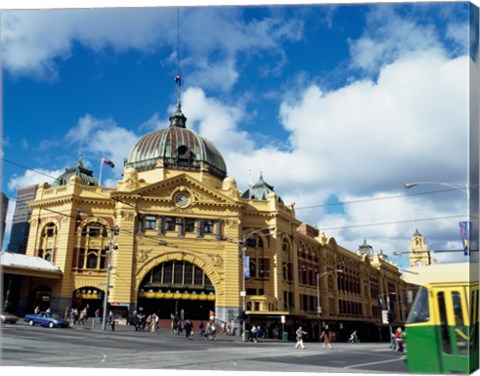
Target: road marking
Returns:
[[371, 363]]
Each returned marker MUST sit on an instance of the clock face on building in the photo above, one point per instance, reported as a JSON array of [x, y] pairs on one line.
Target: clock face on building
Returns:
[[181, 200], [419, 263]]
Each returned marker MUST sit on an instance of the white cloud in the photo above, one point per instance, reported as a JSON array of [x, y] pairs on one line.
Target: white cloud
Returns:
[[389, 35], [32, 177], [394, 127], [35, 41], [97, 138], [216, 121], [364, 140]]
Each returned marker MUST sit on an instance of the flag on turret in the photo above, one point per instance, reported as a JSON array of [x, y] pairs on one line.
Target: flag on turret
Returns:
[[108, 163]]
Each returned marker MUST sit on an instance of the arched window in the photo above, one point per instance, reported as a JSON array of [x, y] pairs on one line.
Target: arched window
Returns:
[[92, 245], [176, 274], [48, 242]]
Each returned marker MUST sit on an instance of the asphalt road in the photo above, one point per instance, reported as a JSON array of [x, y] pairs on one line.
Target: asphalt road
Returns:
[[26, 346]]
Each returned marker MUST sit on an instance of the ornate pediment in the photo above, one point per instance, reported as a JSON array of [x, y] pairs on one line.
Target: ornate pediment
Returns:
[[181, 193]]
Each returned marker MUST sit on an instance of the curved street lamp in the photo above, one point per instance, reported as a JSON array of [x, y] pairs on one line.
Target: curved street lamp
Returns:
[[465, 188]]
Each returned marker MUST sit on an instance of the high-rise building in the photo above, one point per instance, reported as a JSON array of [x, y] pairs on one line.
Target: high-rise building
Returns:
[[3, 216], [20, 221]]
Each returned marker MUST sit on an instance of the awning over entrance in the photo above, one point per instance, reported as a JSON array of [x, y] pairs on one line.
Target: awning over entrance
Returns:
[[18, 264]]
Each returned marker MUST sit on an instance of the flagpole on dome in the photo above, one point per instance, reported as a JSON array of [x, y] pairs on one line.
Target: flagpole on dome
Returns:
[[178, 77]]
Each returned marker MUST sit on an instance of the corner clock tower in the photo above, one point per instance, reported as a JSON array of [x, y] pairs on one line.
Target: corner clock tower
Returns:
[[418, 252]]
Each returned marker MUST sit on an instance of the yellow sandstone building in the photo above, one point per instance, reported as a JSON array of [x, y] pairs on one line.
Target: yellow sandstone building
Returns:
[[180, 238]]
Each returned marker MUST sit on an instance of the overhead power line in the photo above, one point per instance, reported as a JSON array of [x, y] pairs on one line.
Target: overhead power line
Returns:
[[340, 203], [393, 222], [304, 207]]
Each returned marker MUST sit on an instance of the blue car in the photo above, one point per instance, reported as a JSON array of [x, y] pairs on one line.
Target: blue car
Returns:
[[46, 319]]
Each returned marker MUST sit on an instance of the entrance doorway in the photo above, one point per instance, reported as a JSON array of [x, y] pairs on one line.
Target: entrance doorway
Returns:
[[90, 297], [177, 288], [41, 298]]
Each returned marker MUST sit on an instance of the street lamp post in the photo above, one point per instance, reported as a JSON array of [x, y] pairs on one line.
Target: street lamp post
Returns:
[[319, 307], [111, 246], [243, 293], [464, 188]]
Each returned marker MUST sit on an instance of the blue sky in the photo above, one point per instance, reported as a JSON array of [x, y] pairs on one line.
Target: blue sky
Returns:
[[331, 103]]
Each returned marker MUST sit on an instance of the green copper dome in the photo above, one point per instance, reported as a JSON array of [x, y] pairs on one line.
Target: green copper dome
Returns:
[[178, 147], [260, 191], [86, 176]]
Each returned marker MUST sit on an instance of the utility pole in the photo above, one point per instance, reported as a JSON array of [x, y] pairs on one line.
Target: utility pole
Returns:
[[114, 230]]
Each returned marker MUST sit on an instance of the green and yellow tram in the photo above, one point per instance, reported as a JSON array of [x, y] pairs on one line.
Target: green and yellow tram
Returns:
[[442, 326]]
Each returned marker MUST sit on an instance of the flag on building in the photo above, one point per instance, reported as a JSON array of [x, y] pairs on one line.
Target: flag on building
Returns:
[[108, 163], [465, 234]]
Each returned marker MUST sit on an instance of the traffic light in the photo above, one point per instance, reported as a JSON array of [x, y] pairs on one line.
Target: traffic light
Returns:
[[390, 316]]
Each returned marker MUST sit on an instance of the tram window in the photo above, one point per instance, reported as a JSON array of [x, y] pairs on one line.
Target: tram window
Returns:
[[420, 309], [474, 321], [461, 333], [447, 348]]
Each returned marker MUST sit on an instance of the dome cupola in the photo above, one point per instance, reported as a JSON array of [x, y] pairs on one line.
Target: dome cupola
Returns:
[[178, 147], [85, 175], [260, 191]]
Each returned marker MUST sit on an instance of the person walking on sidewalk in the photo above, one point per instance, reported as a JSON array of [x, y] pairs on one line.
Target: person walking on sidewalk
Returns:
[[399, 339], [111, 320], [299, 335], [326, 337]]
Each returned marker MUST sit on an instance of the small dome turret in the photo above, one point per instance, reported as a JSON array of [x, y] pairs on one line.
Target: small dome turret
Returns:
[[86, 176], [260, 191]]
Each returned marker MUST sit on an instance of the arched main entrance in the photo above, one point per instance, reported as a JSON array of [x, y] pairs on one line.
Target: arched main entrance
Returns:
[[179, 288]]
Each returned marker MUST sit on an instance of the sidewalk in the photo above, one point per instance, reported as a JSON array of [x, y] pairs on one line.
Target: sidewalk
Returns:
[[129, 330]]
